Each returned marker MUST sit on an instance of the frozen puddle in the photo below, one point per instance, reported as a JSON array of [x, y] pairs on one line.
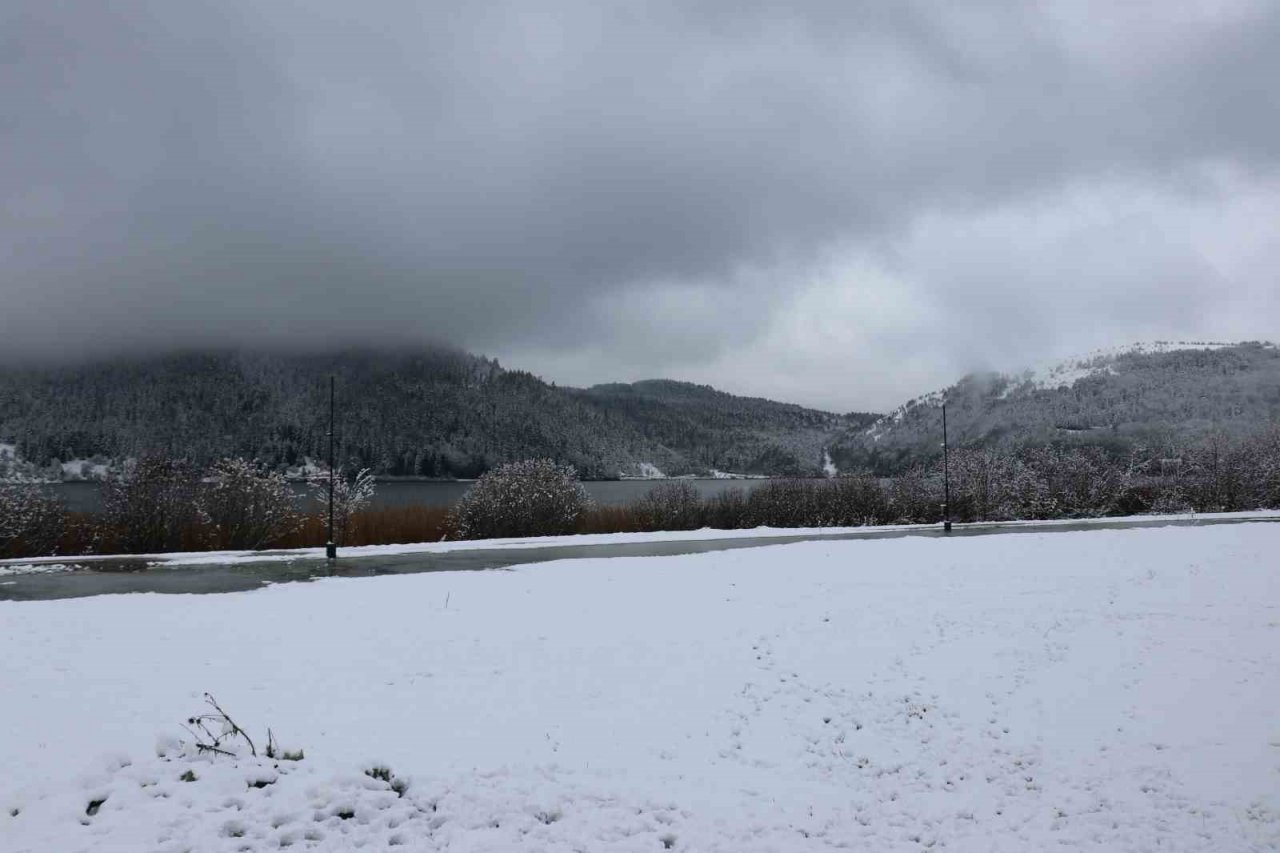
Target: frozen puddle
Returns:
[[1110, 690]]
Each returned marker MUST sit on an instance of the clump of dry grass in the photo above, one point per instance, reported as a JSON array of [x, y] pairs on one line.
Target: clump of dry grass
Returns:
[[609, 519], [385, 526]]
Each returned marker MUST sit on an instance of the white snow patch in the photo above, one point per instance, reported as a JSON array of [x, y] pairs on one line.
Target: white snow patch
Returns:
[[1110, 690], [645, 471], [308, 469], [85, 469]]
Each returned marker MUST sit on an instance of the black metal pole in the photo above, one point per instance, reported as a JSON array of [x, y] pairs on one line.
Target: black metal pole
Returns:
[[946, 475], [330, 549]]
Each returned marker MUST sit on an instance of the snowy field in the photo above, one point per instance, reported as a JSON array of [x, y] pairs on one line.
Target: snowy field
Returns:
[[1102, 690]]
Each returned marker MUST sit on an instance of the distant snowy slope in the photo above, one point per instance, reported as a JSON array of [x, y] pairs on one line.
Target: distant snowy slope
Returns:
[[1146, 393]]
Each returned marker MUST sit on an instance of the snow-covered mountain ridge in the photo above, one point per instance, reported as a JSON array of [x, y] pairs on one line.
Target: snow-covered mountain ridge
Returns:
[[1065, 373], [1148, 394]]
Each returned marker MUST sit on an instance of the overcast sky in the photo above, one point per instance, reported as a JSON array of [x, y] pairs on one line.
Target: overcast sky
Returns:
[[837, 203]]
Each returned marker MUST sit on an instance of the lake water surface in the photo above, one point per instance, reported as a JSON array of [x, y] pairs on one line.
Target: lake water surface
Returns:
[[87, 497]]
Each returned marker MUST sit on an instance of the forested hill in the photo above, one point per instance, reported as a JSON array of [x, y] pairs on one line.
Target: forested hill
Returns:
[[1154, 399], [746, 434], [437, 413]]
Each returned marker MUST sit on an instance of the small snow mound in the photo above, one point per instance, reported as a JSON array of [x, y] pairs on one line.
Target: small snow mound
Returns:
[[187, 801]]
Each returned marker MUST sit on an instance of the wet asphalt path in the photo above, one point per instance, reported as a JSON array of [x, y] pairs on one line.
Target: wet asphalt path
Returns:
[[107, 577]]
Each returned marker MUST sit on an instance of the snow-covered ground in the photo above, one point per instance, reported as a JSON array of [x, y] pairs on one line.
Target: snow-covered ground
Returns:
[[1105, 690]]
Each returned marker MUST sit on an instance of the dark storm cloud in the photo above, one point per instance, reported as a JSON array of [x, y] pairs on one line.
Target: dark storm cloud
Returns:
[[538, 178]]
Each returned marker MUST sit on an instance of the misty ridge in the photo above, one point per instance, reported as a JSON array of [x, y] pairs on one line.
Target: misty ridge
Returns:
[[429, 412], [443, 413]]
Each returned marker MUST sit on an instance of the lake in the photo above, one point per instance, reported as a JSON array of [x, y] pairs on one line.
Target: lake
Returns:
[[87, 497]]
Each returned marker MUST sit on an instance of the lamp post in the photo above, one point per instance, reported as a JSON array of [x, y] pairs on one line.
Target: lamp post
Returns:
[[330, 549], [946, 476]]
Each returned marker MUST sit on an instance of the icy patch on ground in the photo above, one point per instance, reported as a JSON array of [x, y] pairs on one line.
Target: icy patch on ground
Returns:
[[11, 569]]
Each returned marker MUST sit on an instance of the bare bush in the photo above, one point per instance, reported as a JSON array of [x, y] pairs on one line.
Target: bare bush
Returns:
[[670, 506], [215, 733], [244, 505], [149, 505], [535, 497], [31, 521]]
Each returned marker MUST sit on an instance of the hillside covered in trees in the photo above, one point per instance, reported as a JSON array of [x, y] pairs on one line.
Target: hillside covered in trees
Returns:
[[429, 412], [1151, 400]]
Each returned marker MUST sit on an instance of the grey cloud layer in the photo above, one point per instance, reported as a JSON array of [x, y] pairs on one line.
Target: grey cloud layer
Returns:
[[538, 177]]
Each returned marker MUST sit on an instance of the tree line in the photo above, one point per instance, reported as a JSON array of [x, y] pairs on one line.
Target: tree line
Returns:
[[162, 503]]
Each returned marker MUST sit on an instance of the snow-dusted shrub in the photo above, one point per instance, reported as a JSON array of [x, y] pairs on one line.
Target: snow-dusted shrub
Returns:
[[149, 505], [727, 510], [670, 506], [1261, 461], [535, 497], [853, 501], [841, 502], [785, 503], [350, 495], [31, 522], [915, 497], [1171, 501], [1225, 474], [986, 485], [245, 505]]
